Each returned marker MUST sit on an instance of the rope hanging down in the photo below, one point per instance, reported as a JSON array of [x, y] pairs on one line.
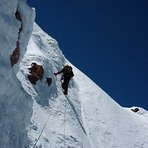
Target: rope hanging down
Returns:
[[41, 131], [46, 124], [64, 123], [75, 112]]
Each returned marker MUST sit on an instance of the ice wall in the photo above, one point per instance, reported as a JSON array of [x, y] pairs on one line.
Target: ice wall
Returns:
[[15, 104]]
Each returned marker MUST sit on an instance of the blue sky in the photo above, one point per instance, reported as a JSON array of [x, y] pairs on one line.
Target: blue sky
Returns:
[[107, 40]]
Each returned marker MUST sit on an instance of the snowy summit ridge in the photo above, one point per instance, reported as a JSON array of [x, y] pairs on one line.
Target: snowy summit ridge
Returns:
[[41, 116]]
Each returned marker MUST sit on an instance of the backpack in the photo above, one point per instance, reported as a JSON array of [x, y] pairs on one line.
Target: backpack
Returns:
[[70, 72]]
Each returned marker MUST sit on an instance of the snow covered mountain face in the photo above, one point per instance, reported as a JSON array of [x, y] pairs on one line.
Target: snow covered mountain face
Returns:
[[41, 116]]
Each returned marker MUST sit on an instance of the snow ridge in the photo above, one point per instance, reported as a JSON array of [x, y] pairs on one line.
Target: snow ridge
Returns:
[[41, 116], [88, 117]]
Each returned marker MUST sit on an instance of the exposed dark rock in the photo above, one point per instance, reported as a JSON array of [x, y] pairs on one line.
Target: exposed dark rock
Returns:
[[16, 53], [135, 110], [36, 72]]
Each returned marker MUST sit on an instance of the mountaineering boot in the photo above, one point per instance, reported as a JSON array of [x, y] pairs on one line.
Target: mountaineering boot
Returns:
[[65, 93]]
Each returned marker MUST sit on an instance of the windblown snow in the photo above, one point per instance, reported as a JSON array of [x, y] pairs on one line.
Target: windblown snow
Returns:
[[41, 116]]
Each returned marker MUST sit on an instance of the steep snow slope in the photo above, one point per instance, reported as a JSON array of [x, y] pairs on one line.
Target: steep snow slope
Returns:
[[41, 116], [64, 126], [86, 118]]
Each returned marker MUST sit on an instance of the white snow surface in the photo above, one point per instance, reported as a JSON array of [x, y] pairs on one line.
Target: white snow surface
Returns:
[[41, 116], [15, 103]]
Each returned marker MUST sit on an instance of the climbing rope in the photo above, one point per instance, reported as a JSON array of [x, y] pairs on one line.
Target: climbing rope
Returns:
[[41, 131], [46, 124], [64, 123], [76, 114]]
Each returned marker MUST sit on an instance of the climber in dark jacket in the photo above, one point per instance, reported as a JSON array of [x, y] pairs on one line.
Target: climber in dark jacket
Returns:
[[67, 75]]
